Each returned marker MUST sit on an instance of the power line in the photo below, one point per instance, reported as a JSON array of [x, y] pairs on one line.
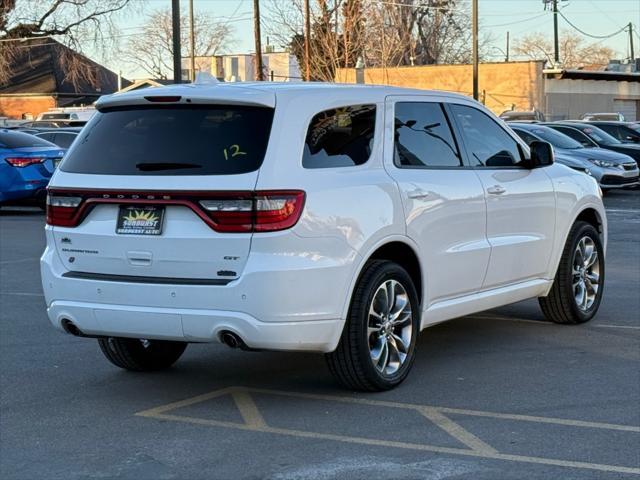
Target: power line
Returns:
[[589, 34]]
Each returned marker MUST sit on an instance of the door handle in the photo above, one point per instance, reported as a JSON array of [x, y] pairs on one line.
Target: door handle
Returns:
[[418, 195], [496, 190]]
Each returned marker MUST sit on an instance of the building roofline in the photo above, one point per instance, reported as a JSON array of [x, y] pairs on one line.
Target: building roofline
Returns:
[[561, 74]]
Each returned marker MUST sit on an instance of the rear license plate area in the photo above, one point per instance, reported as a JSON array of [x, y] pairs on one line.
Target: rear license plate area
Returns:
[[140, 220]]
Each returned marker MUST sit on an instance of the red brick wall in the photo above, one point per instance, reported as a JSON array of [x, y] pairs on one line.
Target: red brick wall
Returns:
[[15, 107]]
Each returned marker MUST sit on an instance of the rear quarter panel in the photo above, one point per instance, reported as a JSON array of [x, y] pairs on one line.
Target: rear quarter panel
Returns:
[[358, 207]]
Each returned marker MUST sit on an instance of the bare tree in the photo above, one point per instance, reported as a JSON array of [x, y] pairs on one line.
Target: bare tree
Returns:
[[74, 23], [575, 52], [380, 33], [152, 49]]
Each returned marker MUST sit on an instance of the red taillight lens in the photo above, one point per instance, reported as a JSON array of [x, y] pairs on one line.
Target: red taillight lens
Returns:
[[277, 210], [21, 162], [62, 210], [263, 211]]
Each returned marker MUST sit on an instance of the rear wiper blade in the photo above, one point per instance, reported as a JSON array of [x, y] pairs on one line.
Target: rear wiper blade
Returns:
[[157, 166]]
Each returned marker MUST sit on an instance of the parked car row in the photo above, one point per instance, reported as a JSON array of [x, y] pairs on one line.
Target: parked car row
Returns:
[[586, 146]]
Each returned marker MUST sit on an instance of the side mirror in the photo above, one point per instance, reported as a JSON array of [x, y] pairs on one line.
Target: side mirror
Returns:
[[541, 154]]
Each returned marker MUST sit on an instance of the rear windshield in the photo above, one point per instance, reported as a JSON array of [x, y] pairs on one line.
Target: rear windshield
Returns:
[[55, 116], [172, 140], [22, 140]]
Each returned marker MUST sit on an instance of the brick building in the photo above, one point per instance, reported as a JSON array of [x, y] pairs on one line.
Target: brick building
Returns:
[[39, 80]]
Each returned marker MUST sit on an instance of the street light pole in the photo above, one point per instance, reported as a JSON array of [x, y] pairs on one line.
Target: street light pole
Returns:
[[307, 39], [177, 55], [556, 47], [193, 42], [506, 57], [256, 30], [633, 54], [474, 34]]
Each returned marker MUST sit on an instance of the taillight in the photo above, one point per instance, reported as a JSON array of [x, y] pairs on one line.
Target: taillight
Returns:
[[263, 211], [62, 210], [20, 162], [277, 210], [227, 212], [230, 214]]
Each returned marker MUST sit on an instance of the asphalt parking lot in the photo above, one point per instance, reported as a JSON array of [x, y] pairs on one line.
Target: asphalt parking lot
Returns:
[[498, 395]]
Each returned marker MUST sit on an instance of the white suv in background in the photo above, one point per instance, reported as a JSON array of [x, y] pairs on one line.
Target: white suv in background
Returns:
[[309, 217]]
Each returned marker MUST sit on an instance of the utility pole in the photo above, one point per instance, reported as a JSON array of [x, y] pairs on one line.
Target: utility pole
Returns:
[[556, 47], [474, 33], [506, 57], [307, 39], [256, 28], [192, 34], [633, 54], [177, 53]]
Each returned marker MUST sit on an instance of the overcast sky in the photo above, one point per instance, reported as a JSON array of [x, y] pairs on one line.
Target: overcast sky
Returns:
[[519, 17]]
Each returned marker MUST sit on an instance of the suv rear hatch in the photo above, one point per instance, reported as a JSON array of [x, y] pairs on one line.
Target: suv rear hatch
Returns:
[[163, 190]]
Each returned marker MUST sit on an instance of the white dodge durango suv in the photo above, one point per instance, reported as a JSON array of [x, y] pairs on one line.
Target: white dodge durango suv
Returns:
[[309, 217]]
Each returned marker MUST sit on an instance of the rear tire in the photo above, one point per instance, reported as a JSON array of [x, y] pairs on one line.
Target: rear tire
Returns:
[[579, 283], [378, 343], [141, 355]]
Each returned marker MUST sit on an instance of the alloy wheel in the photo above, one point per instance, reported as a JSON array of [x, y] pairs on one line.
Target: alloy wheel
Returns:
[[585, 273], [390, 327]]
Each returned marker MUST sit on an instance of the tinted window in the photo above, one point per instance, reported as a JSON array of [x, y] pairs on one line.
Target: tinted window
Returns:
[[488, 144], [600, 136], [423, 136], [528, 138], [64, 140], [340, 137], [49, 137], [577, 135], [22, 140], [556, 139], [621, 132], [55, 116], [172, 140]]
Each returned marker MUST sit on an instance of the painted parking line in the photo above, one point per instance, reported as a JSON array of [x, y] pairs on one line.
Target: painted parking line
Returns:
[[20, 260], [23, 294], [631, 327], [544, 322], [254, 421]]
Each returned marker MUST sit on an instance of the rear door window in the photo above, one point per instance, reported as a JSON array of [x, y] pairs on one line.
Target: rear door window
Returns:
[[340, 137], [172, 140], [423, 137]]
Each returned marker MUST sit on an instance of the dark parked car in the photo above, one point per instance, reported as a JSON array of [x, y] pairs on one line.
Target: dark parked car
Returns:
[[610, 169], [63, 137], [591, 136], [623, 131]]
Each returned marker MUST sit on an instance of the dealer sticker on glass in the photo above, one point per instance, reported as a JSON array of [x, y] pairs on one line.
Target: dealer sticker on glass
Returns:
[[140, 220]]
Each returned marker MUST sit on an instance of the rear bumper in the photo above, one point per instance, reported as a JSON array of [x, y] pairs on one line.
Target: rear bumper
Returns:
[[281, 302], [190, 325]]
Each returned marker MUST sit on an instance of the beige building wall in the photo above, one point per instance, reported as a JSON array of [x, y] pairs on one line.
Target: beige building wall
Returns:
[[502, 86]]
